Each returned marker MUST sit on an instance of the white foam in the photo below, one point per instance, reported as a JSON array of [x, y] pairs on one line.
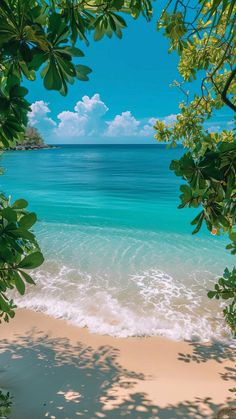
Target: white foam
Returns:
[[150, 303]]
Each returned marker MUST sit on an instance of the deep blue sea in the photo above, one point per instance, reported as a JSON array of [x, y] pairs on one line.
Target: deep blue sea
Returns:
[[120, 256]]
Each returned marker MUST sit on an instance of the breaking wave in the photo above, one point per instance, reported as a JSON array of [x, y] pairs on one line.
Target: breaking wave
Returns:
[[148, 303]]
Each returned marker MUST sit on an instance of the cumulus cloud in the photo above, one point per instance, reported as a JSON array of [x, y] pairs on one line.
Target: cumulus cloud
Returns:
[[147, 129], [38, 116], [170, 119], [85, 120], [124, 125], [93, 106]]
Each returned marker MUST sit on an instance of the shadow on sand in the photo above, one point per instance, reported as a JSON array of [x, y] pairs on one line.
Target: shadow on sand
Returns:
[[217, 351], [50, 378]]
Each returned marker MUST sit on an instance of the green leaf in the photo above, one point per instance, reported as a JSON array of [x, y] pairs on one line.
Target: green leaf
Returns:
[[25, 52], [82, 71], [39, 57], [119, 20], [52, 78], [6, 254], [75, 52], [9, 214], [20, 204], [32, 261], [4, 104], [197, 218], [232, 236], [117, 4], [28, 220], [18, 91], [28, 73], [199, 224], [27, 278], [19, 283], [211, 294], [4, 306], [226, 273], [22, 234]]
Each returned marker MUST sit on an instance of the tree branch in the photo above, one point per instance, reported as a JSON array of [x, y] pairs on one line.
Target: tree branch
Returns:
[[224, 93]]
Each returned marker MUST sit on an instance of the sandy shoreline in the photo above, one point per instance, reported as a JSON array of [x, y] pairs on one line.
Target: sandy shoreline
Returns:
[[56, 370]]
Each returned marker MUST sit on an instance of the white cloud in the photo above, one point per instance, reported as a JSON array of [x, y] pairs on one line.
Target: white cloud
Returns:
[[71, 124], [85, 120], [147, 129], [92, 106], [170, 119], [39, 115], [124, 125]]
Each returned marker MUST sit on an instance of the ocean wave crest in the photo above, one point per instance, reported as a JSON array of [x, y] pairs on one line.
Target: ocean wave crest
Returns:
[[149, 303]]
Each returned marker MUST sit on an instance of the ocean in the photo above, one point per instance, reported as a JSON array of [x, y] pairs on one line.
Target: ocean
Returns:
[[120, 258]]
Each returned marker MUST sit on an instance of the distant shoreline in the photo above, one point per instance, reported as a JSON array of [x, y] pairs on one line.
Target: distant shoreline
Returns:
[[31, 147], [88, 145]]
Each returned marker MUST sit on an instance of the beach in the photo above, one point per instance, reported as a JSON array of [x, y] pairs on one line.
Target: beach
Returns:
[[127, 330], [56, 370]]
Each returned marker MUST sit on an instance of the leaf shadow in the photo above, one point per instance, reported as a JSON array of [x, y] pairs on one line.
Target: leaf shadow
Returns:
[[204, 352], [51, 378]]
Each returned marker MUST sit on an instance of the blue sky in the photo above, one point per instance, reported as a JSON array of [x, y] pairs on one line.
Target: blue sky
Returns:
[[128, 89]]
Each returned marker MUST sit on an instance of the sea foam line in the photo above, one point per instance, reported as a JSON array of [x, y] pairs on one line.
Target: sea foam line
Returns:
[[151, 304]]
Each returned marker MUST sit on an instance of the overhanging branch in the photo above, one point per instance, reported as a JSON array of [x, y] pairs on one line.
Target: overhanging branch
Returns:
[[224, 92]]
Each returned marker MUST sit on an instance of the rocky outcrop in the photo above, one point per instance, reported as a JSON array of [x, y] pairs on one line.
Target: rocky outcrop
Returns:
[[23, 147]]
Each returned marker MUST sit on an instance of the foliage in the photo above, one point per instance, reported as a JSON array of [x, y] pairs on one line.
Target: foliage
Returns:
[[37, 35], [29, 139], [32, 137], [211, 184], [19, 251], [226, 289], [5, 405], [203, 34]]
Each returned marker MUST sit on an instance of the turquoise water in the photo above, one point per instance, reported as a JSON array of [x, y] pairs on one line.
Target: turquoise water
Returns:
[[120, 257]]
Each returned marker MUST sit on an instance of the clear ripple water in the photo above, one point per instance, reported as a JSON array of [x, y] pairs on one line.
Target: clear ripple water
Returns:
[[120, 256]]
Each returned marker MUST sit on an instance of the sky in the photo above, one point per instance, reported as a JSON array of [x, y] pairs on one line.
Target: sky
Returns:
[[129, 88]]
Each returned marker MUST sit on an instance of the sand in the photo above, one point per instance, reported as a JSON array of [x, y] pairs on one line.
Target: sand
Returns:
[[55, 370]]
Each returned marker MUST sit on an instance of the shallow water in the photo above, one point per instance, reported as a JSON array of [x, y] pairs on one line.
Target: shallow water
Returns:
[[120, 257]]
